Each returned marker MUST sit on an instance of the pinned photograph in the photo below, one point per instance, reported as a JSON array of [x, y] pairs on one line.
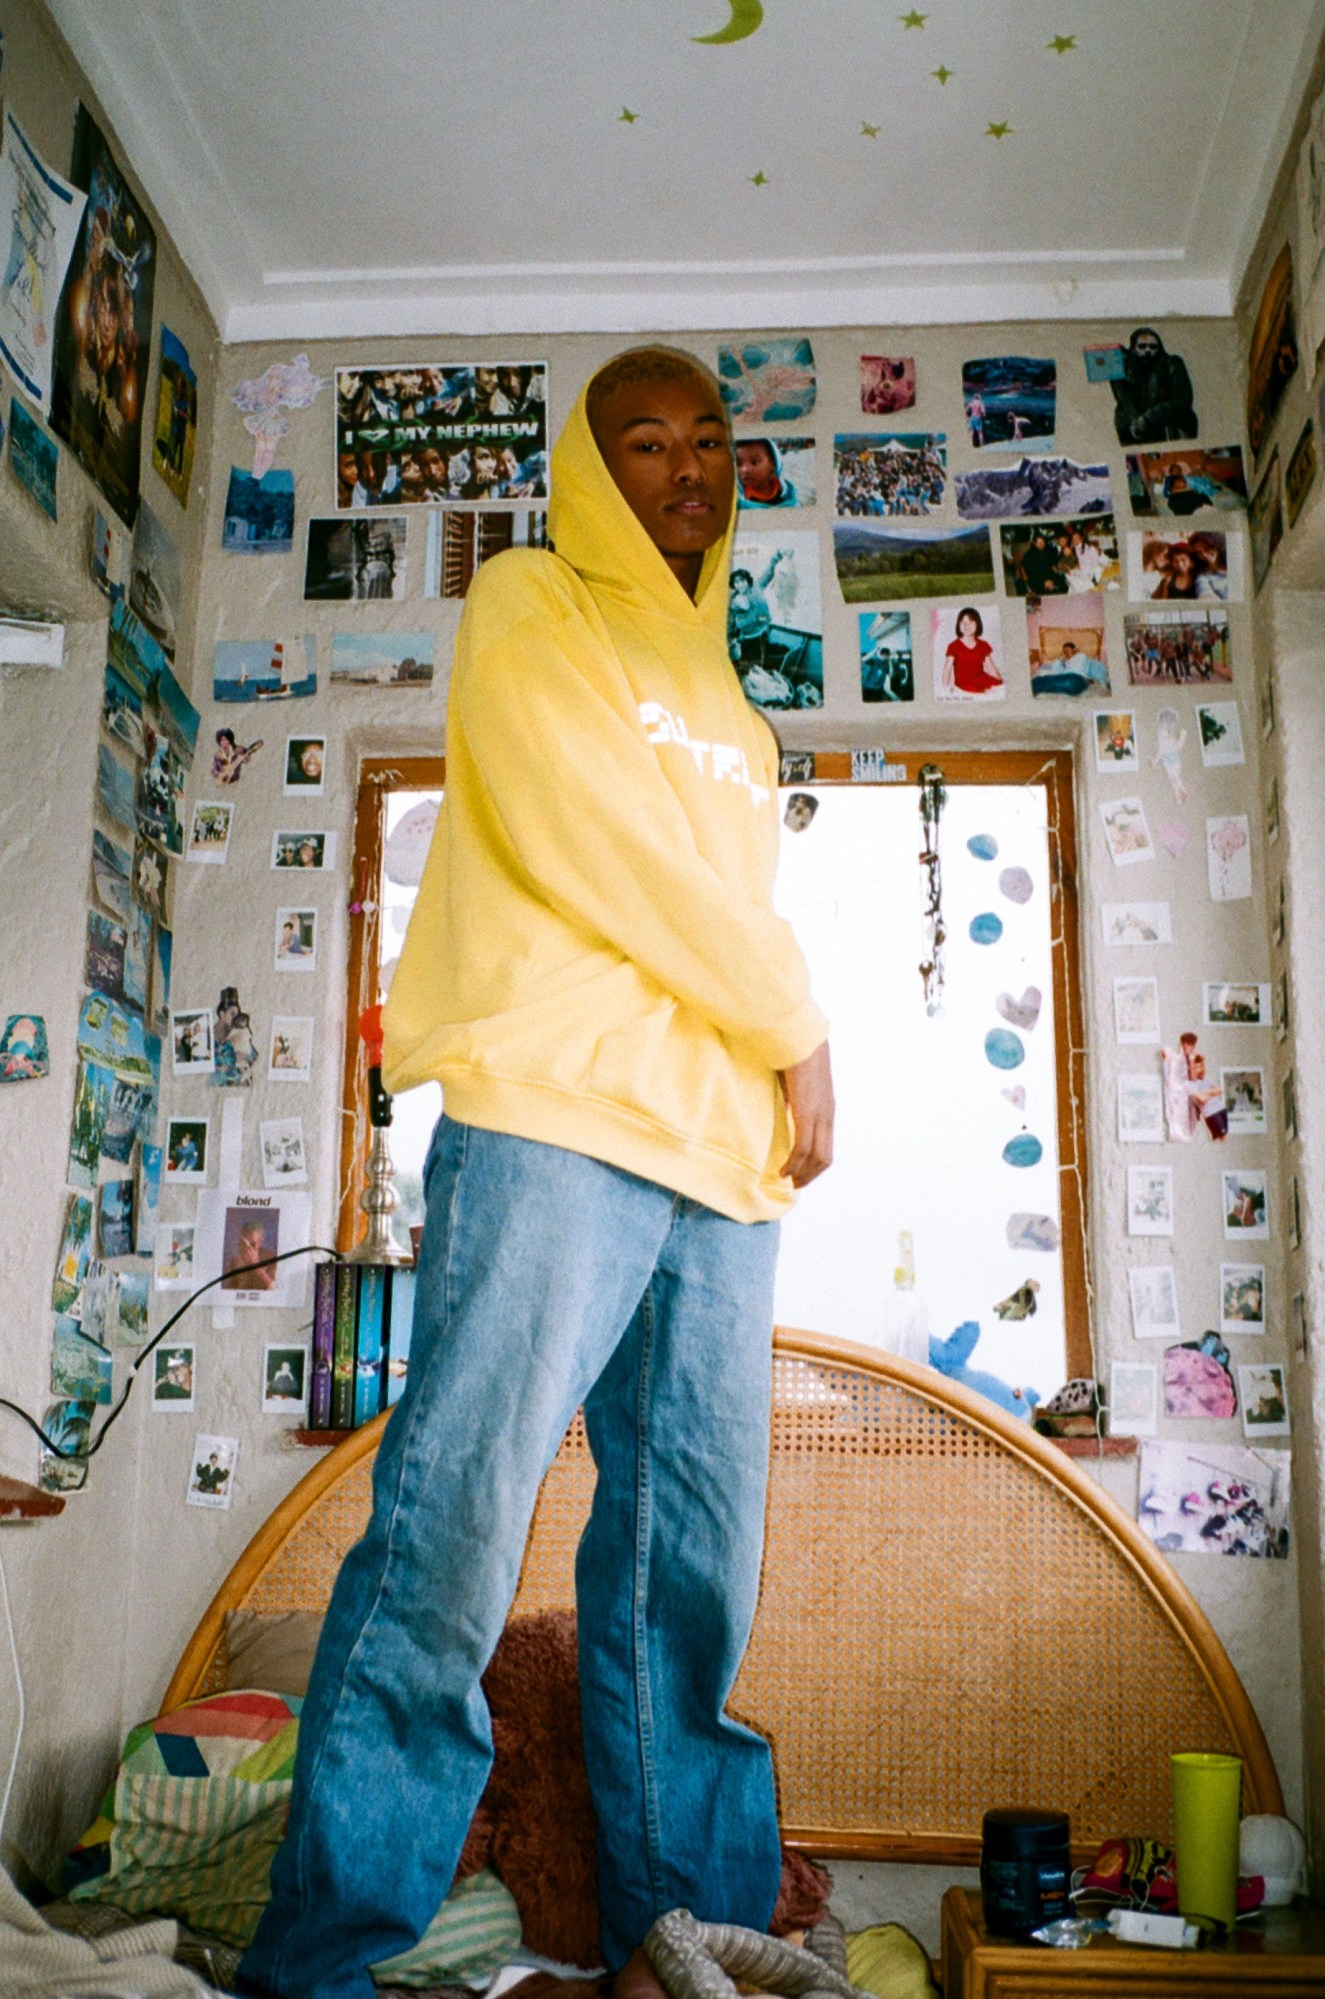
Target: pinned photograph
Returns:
[[176, 417], [1301, 474], [111, 868], [1136, 1012], [1235, 1004], [1132, 1399], [159, 789], [898, 474], [291, 1054], [775, 472], [33, 457], [1242, 1298], [880, 561], [296, 940], [68, 1427], [148, 881], [132, 1297], [1152, 392], [424, 432], [1150, 1200], [1228, 857], [284, 1161], [1200, 565], [1140, 1110], [1060, 558], [137, 952], [191, 1048], [1246, 1204], [1216, 1499], [1265, 518], [108, 554], [1067, 647], [173, 1370], [155, 578], [150, 1165], [1185, 482], [1244, 1099], [1154, 1298], [259, 513], [115, 1217], [284, 1380], [116, 789], [886, 665], [774, 619], [458, 541], [173, 1262], [305, 762], [381, 659], [312, 851], [1115, 741], [1220, 728], [209, 832], [103, 961], [186, 1151], [887, 383], [1010, 400], [801, 808], [81, 1368], [74, 1253], [24, 1053], [966, 650], [163, 945], [356, 561], [1272, 358], [794, 767], [211, 1481], [177, 715], [1054, 486], [1264, 1400], [122, 711], [1198, 1381], [262, 670], [1126, 831], [767, 381]]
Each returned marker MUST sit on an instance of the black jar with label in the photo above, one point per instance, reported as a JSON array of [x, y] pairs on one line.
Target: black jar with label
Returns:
[[1025, 1870]]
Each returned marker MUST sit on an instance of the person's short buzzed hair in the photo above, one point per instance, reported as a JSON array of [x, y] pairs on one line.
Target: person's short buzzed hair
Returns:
[[647, 364]]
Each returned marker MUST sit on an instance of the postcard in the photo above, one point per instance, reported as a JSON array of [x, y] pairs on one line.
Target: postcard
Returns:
[[67, 1426], [1067, 649], [886, 663], [33, 457], [103, 965], [1228, 857], [174, 1372], [1186, 479], [1053, 486], [174, 1256], [1126, 831], [115, 1217], [768, 381], [776, 472], [887, 384], [1242, 1298], [122, 712], [1201, 564], [291, 1054], [1136, 1012], [883, 561], [80, 1367], [381, 659], [424, 432], [176, 417], [132, 1111], [1240, 1004], [211, 1481], [1010, 400], [1060, 558], [1132, 1399], [889, 473], [1153, 1291], [264, 670], [155, 578], [149, 1193], [74, 1254], [1140, 1110], [259, 513], [131, 1329]]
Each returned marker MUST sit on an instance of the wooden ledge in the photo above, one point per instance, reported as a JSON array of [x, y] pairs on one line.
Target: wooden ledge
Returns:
[[21, 1501]]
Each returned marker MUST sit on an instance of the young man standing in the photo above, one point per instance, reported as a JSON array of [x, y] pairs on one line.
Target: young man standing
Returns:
[[635, 1078]]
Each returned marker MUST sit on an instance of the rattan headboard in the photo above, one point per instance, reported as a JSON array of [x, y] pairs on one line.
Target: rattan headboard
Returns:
[[951, 1616]]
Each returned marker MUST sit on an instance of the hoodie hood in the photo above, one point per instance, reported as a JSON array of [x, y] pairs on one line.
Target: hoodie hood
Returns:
[[593, 529]]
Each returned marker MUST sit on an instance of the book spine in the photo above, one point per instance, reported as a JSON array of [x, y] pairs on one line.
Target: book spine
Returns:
[[368, 1343], [324, 1342], [342, 1369], [402, 1325]]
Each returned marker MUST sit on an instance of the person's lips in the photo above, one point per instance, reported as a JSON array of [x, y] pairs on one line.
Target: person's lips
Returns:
[[690, 503]]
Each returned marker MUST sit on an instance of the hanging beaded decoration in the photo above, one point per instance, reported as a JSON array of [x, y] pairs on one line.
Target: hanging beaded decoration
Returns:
[[933, 796]]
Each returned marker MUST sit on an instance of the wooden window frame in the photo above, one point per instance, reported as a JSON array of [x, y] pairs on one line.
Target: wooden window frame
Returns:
[[1052, 768]]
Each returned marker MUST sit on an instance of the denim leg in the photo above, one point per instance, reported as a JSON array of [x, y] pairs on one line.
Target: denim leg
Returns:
[[533, 1261], [667, 1579]]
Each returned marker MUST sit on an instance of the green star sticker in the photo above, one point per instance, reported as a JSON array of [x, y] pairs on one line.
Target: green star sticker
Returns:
[[1061, 44], [913, 19], [760, 179], [943, 72], [625, 117], [868, 131], [998, 129]]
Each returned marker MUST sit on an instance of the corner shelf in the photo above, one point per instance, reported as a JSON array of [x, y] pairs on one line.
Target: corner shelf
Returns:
[[21, 1501]]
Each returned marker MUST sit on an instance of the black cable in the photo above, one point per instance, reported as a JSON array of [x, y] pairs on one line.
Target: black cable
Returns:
[[57, 1450]]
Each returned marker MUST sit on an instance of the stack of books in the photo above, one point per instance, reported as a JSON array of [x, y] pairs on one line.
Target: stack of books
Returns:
[[363, 1314]]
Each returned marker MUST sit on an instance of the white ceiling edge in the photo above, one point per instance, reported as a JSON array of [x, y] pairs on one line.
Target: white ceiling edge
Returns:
[[1257, 211], [711, 308]]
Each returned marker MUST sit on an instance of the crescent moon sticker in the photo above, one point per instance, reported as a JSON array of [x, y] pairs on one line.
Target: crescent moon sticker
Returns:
[[747, 15]]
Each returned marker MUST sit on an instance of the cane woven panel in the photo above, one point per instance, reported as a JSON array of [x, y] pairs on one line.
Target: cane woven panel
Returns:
[[950, 1618]]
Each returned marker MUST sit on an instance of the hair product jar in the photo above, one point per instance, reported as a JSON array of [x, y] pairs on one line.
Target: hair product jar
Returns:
[[1025, 1868]]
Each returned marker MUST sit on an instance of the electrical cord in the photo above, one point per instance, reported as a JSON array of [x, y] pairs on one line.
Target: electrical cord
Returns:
[[22, 1700], [58, 1450]]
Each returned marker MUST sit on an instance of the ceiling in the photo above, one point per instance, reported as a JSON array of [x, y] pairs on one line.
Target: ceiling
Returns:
[[333, 168]]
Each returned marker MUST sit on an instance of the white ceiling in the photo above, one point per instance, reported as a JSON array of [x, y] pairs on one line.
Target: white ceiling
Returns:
[[336, 167]]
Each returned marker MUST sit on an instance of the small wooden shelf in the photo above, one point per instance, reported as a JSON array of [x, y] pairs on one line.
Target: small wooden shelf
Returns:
[[21, 1501], [1095, 1447], [318, 1440]]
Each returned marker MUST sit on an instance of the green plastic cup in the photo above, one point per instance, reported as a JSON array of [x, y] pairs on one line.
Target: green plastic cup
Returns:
[[1207, 1792]]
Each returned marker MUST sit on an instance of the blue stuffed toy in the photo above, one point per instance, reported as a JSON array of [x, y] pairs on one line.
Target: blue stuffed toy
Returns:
[[950, 1357]]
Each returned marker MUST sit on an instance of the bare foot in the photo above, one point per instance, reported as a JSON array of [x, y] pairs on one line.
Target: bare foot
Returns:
[[637, 1979]]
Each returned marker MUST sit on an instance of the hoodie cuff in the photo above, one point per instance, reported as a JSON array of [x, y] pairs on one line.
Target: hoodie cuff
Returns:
[[793, 1038]]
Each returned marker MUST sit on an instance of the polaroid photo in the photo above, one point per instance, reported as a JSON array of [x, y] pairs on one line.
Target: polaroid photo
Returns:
[[1235, 1004], [1288, 1101], [1264, 1398], [1150, 1200], [1246, 1204], [1228, 857], [1282, 1008], [1141, 1110], [1242, 1298], [284, 1380], [296, 940], [312, 852], [305, 757], [211, 1478], [209, 832], [1244, 1099], [284, 1161], [187, 1151], [1115, 741], [290, 1059], [1219, 727], [1154, 1297], [1126, 831], [1126, 923], [173, 1375], [1136, 1012], [1133, 1399], [173, 1262], [191, 1048]]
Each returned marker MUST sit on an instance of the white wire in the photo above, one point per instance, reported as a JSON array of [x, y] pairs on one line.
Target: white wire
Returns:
[[22, 1706]]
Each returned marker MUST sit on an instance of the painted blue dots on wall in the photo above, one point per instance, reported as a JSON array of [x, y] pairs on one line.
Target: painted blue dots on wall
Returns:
[[986, 928], [983, 845], [1016, 884], [1024, 1150], [1005, 1049]]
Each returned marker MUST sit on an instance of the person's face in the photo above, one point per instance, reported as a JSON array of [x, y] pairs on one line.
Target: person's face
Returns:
[[372, 470], [510, 382], [1069, 650], [310, 761], [433, 467], [665, 444], [307, 854], [754, 465], [347, 468], [967, 627], [411, 474], [1147, 347], [485, 462], [485, 381], [1181, 564]]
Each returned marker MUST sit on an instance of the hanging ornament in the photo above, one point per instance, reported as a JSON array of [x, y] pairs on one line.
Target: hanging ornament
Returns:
[[933, 797]]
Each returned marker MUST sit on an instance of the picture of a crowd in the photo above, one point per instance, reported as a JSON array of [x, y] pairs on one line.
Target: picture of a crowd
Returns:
[[1053, 558], [890, 475], [1175, 654]]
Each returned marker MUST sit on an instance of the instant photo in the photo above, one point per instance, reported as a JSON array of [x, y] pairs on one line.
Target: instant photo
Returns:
[[309, 852]]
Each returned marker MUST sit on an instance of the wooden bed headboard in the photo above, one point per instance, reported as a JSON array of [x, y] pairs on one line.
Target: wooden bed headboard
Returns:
[[951, 1616]]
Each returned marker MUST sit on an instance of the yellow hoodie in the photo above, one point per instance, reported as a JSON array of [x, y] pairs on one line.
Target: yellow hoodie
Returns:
[[593, 959]]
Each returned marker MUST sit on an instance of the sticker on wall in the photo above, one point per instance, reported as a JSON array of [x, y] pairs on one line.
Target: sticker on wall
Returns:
[[356, 561], [68, 1425], [1126, 923], [259, 513], [1301, 473], [1016, 885], [1186, 482], [176, 416], [1028, 1231], [882, 561], [24, 1053], [888, 473], [290, 1058], [986, 928], [33, 458], [1272, 357], [887, 384], [286, 385], [798, 817], [1264, 1400], [1228, 857], [1246, 1199], [174, 1374], [1198, 1381], [1200, 564], [1016, 1096], [1054, 486], [381, 659], [211, 1481], [1126, 831], [767, 381], [1140, 1110], [1174, 835], [230, 757], [886, 662], [1153, 1294], [1265, 518], [1023, 1012], [1010, 402], [775, 472], [1060, 558], [1150, 1200], [1136, 1012], [434, 431], [1067, 647], [1023, 1150], [1004, 1049], [1115, 741], [774, 619], [1133, 1398], [173, 1266], [1220, 728], [1152, 392], [263, 669]]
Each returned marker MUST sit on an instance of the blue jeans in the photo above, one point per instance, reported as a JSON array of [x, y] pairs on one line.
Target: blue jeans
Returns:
[[546, 1280]]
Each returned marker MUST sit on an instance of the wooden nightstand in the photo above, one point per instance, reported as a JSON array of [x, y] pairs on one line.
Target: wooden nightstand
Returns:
[[1281, 1954]]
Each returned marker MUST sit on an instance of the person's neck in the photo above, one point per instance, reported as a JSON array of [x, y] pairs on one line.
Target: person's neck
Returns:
[[687, 570]]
